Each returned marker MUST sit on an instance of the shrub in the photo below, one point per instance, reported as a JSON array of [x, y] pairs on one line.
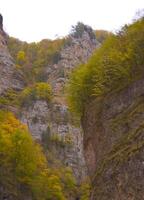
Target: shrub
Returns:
[[102, 35], [9, 98], [85, 189], [21, 59], [78, 30], [39, 91]]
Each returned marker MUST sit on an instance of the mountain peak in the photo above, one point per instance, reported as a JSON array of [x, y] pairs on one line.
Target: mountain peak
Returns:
[[1, 22], [80, 29]]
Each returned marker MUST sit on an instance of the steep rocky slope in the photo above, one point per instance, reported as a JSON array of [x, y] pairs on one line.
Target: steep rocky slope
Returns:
[[113, 143], [112, 99], [113, 115], [52, 123], [10, 78]]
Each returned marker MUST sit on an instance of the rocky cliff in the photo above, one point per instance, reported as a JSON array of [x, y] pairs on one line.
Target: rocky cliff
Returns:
[[113, 121], [52, 123], [10, 78], [111, 94], [113, 143]]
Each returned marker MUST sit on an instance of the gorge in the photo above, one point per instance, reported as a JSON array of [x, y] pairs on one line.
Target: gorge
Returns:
[[81, 100]]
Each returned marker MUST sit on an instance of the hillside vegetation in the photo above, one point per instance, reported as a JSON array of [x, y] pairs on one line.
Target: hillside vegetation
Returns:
[[24, 169], [102, 35], [30, 169], [32, 58], [116, 64]]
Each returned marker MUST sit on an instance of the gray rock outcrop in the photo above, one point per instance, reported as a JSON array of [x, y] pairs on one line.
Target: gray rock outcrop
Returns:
[[114, 144], [53, 121], [10, 77]]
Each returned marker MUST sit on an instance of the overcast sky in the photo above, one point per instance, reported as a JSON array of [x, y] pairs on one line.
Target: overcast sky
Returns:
[[33, 20]]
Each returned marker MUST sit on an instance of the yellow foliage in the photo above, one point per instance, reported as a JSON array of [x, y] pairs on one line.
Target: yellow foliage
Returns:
[[43, 90], [39, 91], [21, 58], [23, 164], [115, 65], [85, 189]]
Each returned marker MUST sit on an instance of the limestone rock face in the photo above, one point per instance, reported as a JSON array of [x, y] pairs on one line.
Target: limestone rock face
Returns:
[[37, 117], [114, 144], [76, 52], [10, 78], [53, 123]]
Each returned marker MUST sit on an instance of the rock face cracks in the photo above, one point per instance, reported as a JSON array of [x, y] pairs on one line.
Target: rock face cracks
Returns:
[[10, 77], [53, 123], [114, 144]]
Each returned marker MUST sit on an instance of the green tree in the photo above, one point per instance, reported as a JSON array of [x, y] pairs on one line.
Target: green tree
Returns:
[[23, 166], [39, 91], [21, 58], [116, 64]]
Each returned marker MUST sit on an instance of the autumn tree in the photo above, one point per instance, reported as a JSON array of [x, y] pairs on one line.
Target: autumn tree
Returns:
[[115, 65], [23, 166]]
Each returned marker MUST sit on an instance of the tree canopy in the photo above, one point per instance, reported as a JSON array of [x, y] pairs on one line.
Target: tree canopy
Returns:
[[116, 64], [23, 166]]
